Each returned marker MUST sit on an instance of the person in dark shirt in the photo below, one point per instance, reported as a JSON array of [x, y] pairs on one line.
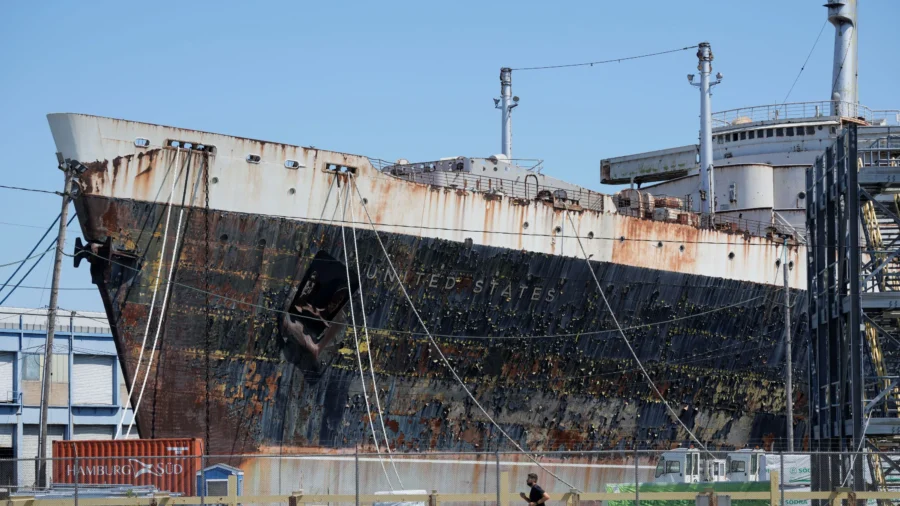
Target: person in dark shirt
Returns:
[[537, 496]]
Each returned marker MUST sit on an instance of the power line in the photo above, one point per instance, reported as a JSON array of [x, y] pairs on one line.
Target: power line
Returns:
[[545, 234], [803, 67], [614, 60], [19, 188], [398, 331], [11, 224], [47, 288]]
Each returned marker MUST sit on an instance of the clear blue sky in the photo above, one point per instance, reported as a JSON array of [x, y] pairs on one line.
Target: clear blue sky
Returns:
[[398, 79]]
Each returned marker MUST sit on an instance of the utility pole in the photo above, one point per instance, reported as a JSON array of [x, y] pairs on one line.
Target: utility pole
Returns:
[[51, 321], [707, 177], [789, 387]]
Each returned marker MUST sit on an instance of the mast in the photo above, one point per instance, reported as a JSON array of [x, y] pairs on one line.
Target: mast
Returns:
[[844, 94], [707, 178], [506, 103]]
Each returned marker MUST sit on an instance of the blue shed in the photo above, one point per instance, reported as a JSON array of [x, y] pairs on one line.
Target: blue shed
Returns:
[[216, 480]]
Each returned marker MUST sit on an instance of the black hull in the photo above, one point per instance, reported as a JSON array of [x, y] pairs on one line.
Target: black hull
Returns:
[[233, 371]]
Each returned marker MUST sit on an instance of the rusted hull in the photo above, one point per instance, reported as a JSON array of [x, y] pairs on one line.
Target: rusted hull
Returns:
[[228, 370]]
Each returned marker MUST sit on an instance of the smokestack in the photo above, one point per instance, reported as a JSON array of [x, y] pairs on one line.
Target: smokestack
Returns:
[[844, 95]]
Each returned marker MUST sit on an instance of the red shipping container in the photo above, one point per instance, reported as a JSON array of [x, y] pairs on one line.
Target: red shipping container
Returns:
[[170, 465]]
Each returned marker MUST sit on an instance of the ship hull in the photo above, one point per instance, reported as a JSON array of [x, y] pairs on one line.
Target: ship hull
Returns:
[[233, 367]]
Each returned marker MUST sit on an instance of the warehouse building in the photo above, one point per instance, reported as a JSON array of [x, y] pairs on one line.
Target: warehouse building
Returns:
[[88, 393]]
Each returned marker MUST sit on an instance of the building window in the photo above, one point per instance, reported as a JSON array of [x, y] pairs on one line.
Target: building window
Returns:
[[752, 134], [811, 130], [790, 131], [32, 377], [31, 367], [779, 132], [92, 379], [769, 132], [734, 136], [800, 131], [743, 135]]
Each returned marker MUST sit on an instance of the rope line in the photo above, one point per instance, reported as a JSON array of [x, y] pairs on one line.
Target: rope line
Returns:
[[362, 378], [162, 252], [165, 301], [631, 348], [438, 348], [365, 327]]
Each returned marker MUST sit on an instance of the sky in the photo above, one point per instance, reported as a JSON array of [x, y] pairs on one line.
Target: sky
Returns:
[[394, 80]]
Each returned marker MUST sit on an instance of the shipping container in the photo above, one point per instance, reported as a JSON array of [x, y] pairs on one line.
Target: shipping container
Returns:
[[168, 464]]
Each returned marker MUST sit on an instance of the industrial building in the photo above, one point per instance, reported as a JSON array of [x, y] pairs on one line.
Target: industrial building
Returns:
[[88, 392]]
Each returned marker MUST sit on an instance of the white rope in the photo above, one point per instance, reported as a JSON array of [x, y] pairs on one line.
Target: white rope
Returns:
[[362, 378], [365, 327], [438, 348], [628, 343], [162, 309], [155, 290]]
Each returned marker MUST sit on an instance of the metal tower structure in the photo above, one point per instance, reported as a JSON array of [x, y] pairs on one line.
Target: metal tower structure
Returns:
[[853, 272]]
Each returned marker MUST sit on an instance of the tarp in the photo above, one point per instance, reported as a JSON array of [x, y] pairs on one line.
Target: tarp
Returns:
[[718, 487]]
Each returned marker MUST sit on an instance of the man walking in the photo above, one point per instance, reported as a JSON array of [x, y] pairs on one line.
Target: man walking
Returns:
[[537, 496]]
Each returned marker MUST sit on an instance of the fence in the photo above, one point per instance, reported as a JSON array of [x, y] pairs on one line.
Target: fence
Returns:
[[616, 478]]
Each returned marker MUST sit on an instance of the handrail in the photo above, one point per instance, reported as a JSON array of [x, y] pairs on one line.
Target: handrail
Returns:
[[424, 173], [804, 110]]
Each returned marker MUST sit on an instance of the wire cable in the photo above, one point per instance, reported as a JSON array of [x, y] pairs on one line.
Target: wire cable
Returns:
[[438, 348], [19, 188], [362, 378], [803, 67], [162, 252], [631, 348], [614, 60], [462, 336], [35, 264], [365, 327]]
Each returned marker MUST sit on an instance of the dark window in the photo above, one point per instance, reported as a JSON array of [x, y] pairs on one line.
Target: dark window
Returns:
[[738, 466], [810, 130], [752, 134], [673, 466], [32, 367], [743, 135], [790, 131], [779, 132], [800, 131], [769, 132], [734, 136]]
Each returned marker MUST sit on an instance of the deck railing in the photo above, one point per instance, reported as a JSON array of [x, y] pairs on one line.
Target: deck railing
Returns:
[[803, 110]]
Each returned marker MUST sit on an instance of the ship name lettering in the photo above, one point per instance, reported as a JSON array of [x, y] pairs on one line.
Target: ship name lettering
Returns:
[[479, 286]]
